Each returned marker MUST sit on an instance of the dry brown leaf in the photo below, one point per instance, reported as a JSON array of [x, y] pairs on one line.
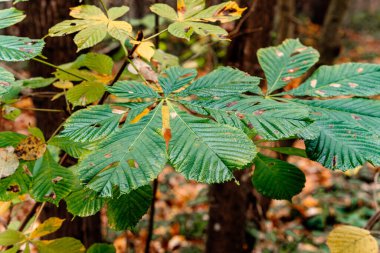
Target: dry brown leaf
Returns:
[[30, 148], [8, 162]]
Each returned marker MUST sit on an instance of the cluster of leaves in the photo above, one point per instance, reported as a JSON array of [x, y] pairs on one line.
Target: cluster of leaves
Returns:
[[205, 128]]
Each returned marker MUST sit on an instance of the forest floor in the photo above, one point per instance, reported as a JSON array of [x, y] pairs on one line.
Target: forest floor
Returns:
[[329, 197]]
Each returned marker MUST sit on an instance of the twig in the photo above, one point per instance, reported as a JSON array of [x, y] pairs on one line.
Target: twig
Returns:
[[151, 216], [104, 6], [122, 68], [58, 67], [375, 182], [29, 217], [243, 19], [155, 181], [372, 221]]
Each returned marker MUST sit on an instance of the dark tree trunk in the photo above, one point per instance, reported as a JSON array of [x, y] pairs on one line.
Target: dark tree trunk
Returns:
[[330, 40], [229, 203], [285, 26], [41, 15]]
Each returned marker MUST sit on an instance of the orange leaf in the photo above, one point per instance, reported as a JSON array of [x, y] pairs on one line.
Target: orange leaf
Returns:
[[140, 116], [166, 131]]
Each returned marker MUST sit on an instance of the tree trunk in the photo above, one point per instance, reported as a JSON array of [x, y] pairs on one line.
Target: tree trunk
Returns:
[[285, 27], [41, 15], [229, 202], [330, 41]]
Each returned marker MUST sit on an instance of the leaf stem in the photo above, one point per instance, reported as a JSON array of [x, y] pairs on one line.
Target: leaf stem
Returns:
[[104, 6], [42, 109], [155, 182], [29, 217], [155, 35], [57, 67], [122, 68]]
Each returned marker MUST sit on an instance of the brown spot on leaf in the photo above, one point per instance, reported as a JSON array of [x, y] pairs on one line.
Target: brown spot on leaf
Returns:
[[231, 103], [355, 117], [56, 179], [241, 116], [30, 148], [3, 83], [293, 70], [259, 112], [51, 195], [109, 155], [286, 78], [13, 188]]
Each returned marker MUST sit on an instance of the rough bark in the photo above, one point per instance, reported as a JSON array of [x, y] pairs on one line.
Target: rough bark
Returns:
[[41, 15], [329, 44], [230, 204], [284, 24]]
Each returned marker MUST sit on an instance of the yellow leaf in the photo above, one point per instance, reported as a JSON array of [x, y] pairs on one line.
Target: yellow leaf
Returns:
[[119, 29], [166, 131], [145, 49], [8, 161], [61, 84], [4, 207], [140, 116], [30, 148], [47, 227], [349, 239], [353, 172], [227, 13]]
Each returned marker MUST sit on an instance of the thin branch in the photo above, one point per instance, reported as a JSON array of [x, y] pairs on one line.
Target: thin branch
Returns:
[[122, 68], [29, 217], [157, 34], [103, 6], [58, 67], [151, 216], [155, 182], [243, 19], [41, 109], [372, 221], [375, 182]]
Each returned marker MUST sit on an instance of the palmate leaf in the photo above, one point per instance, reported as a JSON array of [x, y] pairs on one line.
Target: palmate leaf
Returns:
[[191, 16], [206, 151], [10, 237], [132, 89], [348, 132], [343, 146], [101, 248], [126, 210], [283, 63], [129, 158], [14, 48], [350, 239], [72, 148], [51, 181], [175, 78], [358, 79], [92, 123], [17, 184], [277, 179], [99, 63], [60, 245], [10, 17], [6, 80], [93, 25], [85, 93], [271, 119], [224, 81], [84, 202], [8, 138]]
